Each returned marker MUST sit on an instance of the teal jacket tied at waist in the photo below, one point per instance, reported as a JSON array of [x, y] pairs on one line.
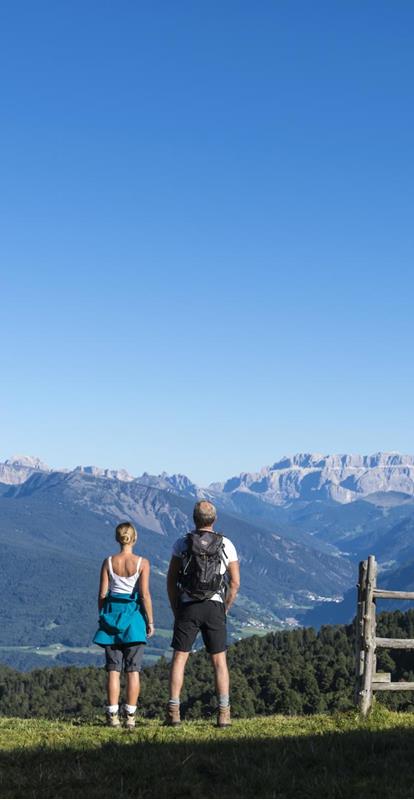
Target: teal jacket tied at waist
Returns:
[[121, 621]]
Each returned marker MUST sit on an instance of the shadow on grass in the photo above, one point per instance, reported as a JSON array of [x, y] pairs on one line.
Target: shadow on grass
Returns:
[[355, 764]]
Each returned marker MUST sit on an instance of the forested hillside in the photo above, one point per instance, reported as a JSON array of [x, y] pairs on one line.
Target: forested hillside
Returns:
[[289, 672]]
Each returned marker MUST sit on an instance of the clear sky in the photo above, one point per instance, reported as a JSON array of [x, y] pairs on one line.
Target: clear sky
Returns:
[[207, 235]]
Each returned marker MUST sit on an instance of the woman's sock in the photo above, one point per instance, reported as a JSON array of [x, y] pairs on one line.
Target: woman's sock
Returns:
[[113, 709], [130, 709]]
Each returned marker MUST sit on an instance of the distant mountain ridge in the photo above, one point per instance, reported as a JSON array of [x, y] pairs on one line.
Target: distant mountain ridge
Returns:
[[311, 476], [341, 478]]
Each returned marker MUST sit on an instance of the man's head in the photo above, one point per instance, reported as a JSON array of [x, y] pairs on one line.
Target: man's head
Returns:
[[204, 514]]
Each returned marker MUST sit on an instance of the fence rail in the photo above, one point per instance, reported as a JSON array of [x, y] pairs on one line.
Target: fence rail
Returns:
[[387, 595], [396, 644]]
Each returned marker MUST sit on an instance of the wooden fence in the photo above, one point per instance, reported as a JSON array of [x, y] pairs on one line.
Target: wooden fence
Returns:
[[368, 680]]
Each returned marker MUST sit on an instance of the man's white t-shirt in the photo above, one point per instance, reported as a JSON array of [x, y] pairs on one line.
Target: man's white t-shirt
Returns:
[[229, 555]]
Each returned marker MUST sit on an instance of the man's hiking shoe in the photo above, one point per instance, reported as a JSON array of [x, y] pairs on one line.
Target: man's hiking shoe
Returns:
[[173, 714], [112, 719], [223, 717]]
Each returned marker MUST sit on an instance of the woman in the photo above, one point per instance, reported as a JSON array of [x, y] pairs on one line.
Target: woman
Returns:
[[125, 622]]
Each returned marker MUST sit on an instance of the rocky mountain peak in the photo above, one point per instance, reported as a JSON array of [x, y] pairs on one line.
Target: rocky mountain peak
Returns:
[[339, 477], [28, 462], [178, 483], [341, 460], [18, 469], [100, 472]]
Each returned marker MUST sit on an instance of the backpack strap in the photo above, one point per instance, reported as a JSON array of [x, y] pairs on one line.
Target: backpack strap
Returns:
[[222, 552], [187, 558], [184, 552], [223, 556]]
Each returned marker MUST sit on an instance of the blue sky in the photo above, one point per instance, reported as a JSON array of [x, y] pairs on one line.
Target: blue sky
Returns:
[[206, 231]]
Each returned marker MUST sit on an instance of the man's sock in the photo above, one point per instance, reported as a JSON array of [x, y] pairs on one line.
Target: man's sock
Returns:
[[112, 709], [130, 709], [174, 701], [224, 700]]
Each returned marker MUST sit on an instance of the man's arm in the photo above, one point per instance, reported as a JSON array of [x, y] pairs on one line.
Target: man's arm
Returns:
[[172, 577], [233, 568]]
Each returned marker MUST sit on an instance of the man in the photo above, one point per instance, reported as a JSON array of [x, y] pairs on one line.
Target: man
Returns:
[[196, 583]]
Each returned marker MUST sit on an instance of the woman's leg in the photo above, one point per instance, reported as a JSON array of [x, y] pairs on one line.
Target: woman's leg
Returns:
[[133, 656], [132, 693], [113, 687], [132, 688], [113, 658]]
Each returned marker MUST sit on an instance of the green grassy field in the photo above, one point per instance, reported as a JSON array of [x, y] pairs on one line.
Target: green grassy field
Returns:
[[319, 756]]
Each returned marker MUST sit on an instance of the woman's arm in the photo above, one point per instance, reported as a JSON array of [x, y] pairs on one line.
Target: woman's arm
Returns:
[[145, 596], [103, 584]]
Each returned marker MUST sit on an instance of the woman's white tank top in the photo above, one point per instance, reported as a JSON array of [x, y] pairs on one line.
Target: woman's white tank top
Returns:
[[120, 585]]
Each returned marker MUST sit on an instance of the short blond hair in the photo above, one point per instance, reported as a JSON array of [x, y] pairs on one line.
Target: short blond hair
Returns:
[[125, 533]]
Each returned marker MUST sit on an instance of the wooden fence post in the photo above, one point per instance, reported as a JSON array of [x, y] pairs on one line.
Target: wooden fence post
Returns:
[[359, 629], [368, 638]]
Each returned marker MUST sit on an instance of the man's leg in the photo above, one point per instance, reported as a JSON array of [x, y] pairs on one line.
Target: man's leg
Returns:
[[178, 663], [221, 674], [186, 627], [214, 632]]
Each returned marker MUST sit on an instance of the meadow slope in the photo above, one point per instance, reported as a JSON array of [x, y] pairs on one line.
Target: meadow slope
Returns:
[[318, 756]]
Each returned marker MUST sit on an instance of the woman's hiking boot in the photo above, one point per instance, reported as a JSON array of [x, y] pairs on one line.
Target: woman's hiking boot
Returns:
[[112, 719], [173, 714], [129, 721], [223, 717]]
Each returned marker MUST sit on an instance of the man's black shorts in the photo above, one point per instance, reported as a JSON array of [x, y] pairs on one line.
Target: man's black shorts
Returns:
[[207, 616], [127, 657]]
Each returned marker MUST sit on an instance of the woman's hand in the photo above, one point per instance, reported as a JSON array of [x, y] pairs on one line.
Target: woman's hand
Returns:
[[150, 629]]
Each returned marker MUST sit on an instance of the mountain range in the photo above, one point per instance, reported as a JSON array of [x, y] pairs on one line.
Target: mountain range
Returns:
[[300, 526]]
